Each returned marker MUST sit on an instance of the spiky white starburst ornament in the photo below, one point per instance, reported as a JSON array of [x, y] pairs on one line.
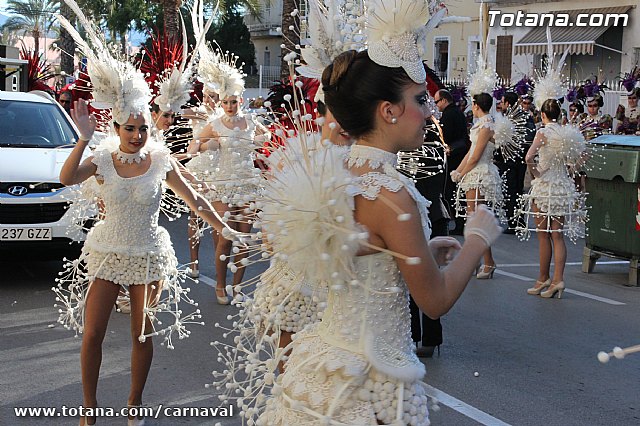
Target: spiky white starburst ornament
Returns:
[[509, 132]]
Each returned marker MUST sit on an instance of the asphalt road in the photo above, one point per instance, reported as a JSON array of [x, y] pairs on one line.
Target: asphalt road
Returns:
[[535, 358]]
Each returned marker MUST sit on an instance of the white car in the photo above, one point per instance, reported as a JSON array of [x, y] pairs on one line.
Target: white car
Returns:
[[36, 137]]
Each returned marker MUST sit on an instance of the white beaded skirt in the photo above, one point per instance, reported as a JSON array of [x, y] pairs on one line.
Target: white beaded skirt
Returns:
[[484, 178], [324, 384], [169, 313], [560, 207]]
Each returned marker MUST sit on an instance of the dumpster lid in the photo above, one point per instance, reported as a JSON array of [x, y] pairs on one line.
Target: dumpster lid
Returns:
[[617, 140]]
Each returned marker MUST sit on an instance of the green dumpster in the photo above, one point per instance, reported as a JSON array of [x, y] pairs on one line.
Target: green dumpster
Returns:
[[613, 191]]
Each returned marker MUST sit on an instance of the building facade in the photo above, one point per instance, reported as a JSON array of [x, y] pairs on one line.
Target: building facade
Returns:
[[602, 48]]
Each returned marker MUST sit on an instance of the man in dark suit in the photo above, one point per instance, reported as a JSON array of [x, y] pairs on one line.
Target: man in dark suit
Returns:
[[456, 137], [427, 332]]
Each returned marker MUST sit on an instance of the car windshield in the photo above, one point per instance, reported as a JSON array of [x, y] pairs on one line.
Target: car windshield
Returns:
[[33, 125]]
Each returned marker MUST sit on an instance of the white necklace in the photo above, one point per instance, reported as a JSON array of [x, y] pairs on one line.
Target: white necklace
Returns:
[[131, 158], [375, 157], [232, 118]]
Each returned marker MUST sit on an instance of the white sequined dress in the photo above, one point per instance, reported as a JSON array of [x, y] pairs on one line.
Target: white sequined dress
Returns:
[[358, 365], [128, 247], [484, 177]]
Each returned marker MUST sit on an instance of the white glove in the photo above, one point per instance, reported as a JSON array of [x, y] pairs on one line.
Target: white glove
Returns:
[[484, 224], [444, 249], [85, 122], [455, 176]]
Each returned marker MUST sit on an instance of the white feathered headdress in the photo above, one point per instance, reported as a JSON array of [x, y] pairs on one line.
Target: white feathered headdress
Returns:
[[483, 80], [335, 26], [550, 84], [216, 70], [116, 84], [174, 86], [396, 33]]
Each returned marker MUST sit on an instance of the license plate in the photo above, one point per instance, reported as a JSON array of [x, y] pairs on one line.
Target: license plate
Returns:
[[25, 234]]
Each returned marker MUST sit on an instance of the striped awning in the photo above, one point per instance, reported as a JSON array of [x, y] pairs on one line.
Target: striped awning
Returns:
[[579, 40]]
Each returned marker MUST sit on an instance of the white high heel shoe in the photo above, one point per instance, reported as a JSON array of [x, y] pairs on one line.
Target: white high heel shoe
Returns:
[[135, 421], [553, 289]]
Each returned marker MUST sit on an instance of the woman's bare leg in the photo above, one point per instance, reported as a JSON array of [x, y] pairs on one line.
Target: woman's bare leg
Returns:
[[223, 247], [141, 352], [99, 302], [244, 227], [544, 241], [559, 251], [474, 198], [194, 240]]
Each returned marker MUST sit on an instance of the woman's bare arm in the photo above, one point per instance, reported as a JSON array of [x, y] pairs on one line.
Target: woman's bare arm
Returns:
[[484, 136], [435, 290]]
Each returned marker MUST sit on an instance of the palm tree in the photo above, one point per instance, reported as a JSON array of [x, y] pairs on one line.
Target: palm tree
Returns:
[[33, 17], [66, 42], [290, 37]]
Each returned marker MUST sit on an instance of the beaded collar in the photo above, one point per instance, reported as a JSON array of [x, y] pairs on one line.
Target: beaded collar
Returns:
[[131, 158], [375, 157]]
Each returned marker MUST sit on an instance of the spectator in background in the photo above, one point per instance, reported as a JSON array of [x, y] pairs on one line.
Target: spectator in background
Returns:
[[628, 119], [576, 113], [65, 99], [456, 137]]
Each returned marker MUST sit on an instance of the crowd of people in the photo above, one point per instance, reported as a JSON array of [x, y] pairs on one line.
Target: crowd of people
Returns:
[[361, 262]]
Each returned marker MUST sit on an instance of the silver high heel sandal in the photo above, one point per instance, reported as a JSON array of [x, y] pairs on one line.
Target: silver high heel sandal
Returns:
[[538, 287], [553, 289], [486, 272]]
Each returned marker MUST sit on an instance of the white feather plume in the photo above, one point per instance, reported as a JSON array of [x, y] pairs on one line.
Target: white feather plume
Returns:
[[116, 84], [550, 84], [334, 26]]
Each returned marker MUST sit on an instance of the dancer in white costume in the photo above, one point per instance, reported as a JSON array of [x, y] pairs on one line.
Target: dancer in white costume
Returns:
[[127, 248], [554, 204], [282, 300], [358, 366]]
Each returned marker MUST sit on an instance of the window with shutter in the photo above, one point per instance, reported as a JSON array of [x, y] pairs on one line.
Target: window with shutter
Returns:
[[504, 50]]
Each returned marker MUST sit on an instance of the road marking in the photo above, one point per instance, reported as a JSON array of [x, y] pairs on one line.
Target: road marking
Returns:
[[463, 408], [208, 281], [594, 297], [568, 290], [512, 275], [523, 265]]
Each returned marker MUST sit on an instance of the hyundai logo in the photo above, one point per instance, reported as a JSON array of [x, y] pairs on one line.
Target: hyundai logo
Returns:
[[17, 190]]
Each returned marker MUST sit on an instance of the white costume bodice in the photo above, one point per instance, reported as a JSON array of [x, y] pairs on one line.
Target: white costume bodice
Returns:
[[237, 148], [372, 318], [132, 207], [551, 155], [487, 156]]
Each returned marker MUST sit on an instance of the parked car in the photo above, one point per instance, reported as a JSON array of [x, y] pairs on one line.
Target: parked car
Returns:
[[36, 137]]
